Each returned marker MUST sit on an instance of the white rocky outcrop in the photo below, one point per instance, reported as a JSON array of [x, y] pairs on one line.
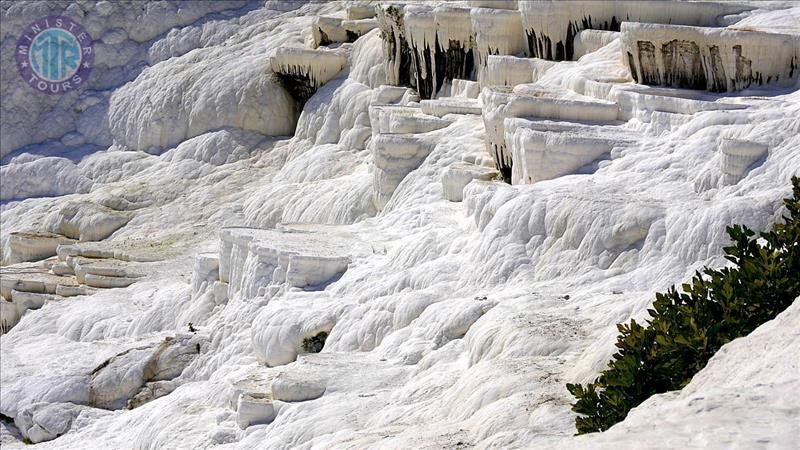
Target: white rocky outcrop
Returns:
[[120, 378], [278, 331], [303, 70], [46, 421], [715, 59], [395, 155], [169, 103], [356, 10], [32, 246], [551, 27], [254, 411], [465, 88], [457, 176], [86, 221], [497, 32], [327, 30], [588, 41], [23, 179], [252, 260], [501, 103]]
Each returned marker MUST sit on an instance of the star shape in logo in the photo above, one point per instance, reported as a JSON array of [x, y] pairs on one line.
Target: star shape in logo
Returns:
[[23, 64], [86, 65]]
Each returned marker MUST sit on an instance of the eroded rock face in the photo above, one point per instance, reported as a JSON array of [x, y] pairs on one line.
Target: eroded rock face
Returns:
[[32, 246], [551, 27], [123, 377], [303, 71], [46, 421], [87, 221], [714, 59]]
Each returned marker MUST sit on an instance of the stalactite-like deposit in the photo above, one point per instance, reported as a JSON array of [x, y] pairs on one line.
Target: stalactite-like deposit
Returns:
[[395, 46], [456, 41], [551, 26], [715, 59], [497, 32], [303, 71]]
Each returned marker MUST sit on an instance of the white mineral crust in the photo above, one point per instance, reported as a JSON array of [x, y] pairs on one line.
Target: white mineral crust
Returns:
[[468, 201]]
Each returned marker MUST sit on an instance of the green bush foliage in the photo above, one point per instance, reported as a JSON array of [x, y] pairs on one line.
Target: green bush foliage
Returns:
[[686, 328]]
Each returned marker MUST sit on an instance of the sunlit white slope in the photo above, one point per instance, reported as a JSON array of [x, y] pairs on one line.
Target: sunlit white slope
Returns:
[[455, 324]]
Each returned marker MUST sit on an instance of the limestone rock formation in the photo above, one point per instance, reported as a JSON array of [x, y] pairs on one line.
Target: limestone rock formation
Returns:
[[385, 224]]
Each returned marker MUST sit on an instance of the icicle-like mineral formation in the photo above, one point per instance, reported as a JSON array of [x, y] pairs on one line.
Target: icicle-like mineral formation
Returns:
[[303, 71], [715, 59], [550, 26], [497, 32]]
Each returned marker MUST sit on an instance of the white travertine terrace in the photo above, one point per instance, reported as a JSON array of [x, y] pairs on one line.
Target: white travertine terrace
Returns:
[[252, 260], [86, 221], [357, 28], [505, 70], [497, 4], [500, 103], [546, 154], [451, 105], [715, 59], [395, 155], [550, 26], [357, 10], [395, 47], [457, 176], [304, 70], [465, 246], [32, 246], [318, 66], [465, 88], [737, 156], [397, 119], [420, 32], [588, 41], [497, 32], [327, 30], [456, 42]]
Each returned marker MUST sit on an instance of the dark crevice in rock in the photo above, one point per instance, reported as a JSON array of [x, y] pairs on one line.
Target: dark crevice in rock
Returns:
[[718, 78], [324, 39], [422, 72], [744, 71], [542, 46], [683, 66], [632, 65], [503, 163], [458, 63], [299, 86], [647, 63]]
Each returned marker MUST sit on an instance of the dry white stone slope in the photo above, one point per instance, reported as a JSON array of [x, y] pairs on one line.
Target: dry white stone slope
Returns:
[[306, 224]]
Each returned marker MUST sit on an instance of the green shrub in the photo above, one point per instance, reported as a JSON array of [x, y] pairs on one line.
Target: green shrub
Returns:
[[686, 328]]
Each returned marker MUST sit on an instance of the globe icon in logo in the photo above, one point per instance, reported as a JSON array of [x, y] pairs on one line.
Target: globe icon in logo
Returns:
[[55, 55]]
